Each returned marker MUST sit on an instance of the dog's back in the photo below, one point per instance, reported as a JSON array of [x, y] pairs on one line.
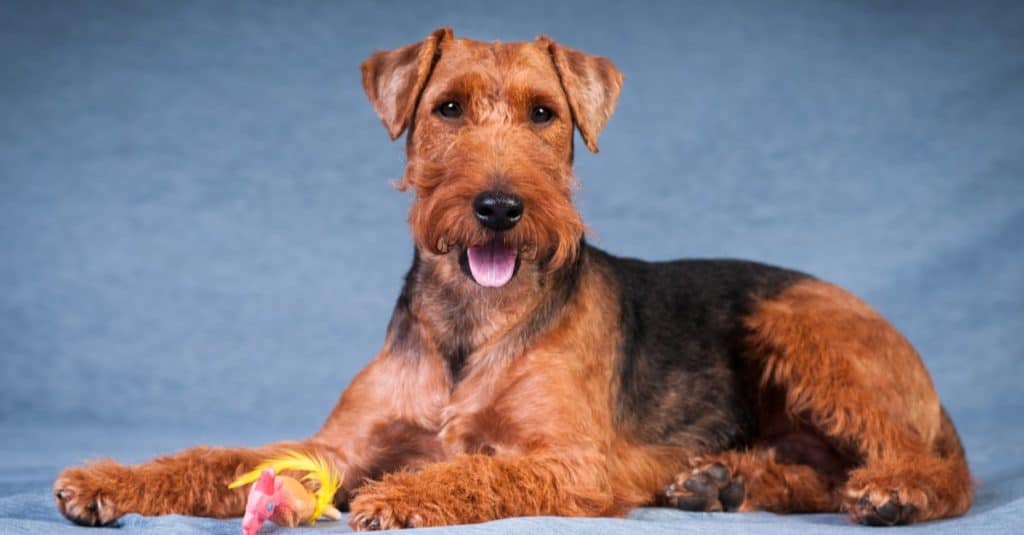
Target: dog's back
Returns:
[[683, 369]]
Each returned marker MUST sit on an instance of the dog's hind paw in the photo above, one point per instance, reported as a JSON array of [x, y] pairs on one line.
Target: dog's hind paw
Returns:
[[708, 488], [873, 506]]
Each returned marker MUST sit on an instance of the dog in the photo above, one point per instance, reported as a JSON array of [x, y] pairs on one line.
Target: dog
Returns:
[[527, 372]]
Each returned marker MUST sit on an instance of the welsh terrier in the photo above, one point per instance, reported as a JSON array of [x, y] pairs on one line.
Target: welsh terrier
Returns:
[[527, 372]]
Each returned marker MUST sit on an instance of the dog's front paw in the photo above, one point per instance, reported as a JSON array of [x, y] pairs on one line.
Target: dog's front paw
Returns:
[[88, 495], [394, 503]]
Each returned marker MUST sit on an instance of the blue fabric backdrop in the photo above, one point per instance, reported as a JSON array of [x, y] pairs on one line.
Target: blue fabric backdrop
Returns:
[[200, 243]]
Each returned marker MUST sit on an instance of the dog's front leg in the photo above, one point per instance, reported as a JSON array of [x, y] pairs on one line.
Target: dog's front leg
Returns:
[[385, 420], [479, 488], [192, 482]]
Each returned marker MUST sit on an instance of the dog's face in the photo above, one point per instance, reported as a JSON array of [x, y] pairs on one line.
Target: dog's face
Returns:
[[490, 146]]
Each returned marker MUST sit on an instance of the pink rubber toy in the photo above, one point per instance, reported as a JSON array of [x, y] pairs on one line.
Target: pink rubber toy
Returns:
[[261, 503], [284, 501]]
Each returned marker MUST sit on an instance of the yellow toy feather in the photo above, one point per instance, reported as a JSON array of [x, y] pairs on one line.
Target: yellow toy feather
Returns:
[[316, 467]]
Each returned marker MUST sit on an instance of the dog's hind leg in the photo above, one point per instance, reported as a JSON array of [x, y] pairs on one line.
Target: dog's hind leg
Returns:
[[852, 377]]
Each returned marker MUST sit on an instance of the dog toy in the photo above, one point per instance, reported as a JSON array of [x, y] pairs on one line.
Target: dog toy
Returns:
[[284, 500]]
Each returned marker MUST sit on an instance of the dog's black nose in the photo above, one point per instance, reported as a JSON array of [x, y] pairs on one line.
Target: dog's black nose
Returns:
[[498, 211]]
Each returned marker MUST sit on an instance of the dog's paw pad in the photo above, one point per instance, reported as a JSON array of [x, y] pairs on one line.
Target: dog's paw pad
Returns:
[[710, 488], [880, 509]]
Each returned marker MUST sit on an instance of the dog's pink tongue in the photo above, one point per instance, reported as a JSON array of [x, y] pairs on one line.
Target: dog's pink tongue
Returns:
[[492, 264]]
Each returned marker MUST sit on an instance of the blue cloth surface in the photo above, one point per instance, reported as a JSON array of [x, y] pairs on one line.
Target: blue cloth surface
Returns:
[[200, 243]]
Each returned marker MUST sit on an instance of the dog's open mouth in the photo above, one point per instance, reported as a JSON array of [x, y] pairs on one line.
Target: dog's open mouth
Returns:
[[492, 264]]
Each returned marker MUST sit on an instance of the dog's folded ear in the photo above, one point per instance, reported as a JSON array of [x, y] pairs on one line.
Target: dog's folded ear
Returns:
[[592, 85], [393, 79]]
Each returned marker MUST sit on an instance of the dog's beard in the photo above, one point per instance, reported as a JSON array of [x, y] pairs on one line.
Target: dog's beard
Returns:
[[548, 235], [493, 259]]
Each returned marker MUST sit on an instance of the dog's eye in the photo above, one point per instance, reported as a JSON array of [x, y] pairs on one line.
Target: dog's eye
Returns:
[[541, 115], [450, 110]]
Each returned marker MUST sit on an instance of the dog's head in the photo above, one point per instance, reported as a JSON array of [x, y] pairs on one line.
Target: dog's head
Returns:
[[490, 145]]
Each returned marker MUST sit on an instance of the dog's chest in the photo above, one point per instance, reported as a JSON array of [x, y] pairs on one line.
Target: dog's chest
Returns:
[[472, 420]]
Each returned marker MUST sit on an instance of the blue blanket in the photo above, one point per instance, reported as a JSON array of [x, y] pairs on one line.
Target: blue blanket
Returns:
[[200, 244], [33, 455]]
